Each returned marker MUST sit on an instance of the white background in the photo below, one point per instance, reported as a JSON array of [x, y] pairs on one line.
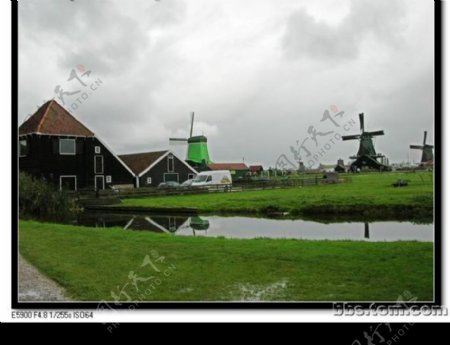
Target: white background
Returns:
[[174, 315]]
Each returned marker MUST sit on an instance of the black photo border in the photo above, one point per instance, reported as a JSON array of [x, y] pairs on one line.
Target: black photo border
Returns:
[[15, 304]]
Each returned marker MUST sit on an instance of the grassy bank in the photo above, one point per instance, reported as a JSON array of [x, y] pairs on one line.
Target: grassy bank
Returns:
[[90, 263], [368, 194]]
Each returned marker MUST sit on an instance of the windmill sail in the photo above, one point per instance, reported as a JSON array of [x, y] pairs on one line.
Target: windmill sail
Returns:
[[427, 150], [366, 156], [197, 148], [375, 133], [351, 137], [192, 125]]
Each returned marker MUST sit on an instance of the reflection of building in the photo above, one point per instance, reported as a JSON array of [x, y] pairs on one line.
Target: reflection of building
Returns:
[[100, 220], [165, 223], [146, 223]]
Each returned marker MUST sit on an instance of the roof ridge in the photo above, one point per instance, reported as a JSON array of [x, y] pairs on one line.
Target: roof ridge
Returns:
[[43, 116], [143, 153]]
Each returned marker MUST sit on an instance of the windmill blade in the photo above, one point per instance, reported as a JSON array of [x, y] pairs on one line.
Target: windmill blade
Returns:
[[429, 146], [424, 137], [417, 147], [192, 125], [351, 137], [361, 121], [375, 133], [177, 143], [175, 140]]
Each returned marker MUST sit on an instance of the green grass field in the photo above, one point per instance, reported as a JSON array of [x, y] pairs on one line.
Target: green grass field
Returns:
[[368, 194], [91, 263]]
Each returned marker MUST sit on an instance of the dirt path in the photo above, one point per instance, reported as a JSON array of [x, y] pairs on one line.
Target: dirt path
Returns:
[[34, 286]]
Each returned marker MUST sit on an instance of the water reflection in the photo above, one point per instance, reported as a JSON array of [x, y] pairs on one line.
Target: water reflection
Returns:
[[246, 227], [168, 224]]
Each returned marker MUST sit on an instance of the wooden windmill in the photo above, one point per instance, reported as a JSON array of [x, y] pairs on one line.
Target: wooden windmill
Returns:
[[427, 150], [366, 157]]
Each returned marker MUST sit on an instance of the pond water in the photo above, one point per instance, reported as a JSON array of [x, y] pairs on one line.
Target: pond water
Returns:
[[247, 227]]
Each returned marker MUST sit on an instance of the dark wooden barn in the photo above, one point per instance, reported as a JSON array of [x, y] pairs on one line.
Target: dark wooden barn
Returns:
[[152, 168], [54, 145]]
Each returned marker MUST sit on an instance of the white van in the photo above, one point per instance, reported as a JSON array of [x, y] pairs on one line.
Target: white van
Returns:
[[213, 178]]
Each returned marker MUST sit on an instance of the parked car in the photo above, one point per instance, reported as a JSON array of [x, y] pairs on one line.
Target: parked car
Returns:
[[168, 185], [213, 178], [187, 183]]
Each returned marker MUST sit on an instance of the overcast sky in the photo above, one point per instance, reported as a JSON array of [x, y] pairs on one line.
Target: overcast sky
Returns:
[[257, 73]]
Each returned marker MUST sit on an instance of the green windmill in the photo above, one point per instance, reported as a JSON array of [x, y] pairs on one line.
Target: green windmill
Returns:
[[197, 151], [366, 158]]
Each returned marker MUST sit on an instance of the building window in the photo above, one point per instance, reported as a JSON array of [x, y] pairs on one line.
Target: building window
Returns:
[[108, 179], [171, 177], [23, 148], [68, 182], [67, 146], [98, 150], [98, 164], [149, 180], [170, 163], [191, 176]]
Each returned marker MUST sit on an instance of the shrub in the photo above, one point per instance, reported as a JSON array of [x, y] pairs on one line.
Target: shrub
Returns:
[[42, 200]]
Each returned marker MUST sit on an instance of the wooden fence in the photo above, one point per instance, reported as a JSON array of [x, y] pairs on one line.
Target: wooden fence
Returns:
[[238, 186]]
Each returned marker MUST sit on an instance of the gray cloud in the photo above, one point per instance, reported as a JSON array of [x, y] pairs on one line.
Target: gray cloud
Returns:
[[379, 20], [107, 33], [257, 73]]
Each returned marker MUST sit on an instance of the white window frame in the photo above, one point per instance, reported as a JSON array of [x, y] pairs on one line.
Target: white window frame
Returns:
[[191, 176], [170, 158], [95, 165], [178, 177], [74, 147], [149, 180], [109, 179], [95, 181], [26, 144], [98, 150], [67, 176]]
